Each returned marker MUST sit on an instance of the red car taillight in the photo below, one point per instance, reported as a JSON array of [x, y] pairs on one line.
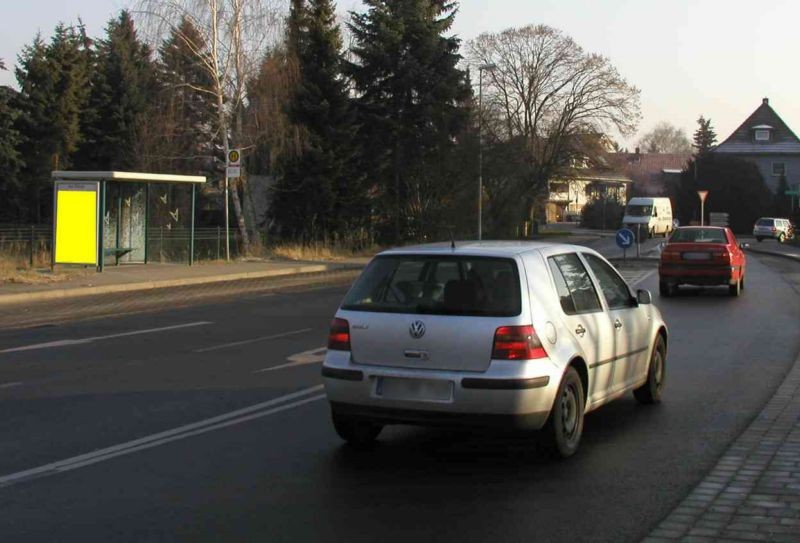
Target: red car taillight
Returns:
[[670, 256], [339, 336], [517, 343]]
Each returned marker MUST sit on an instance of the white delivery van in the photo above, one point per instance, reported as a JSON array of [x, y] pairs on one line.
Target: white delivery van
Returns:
[[650, 216]]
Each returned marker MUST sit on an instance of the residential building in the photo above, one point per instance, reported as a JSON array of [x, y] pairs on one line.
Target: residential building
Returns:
[[765, 140]]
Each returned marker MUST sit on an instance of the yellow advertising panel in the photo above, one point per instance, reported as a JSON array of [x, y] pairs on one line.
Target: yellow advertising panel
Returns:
[[76, 223]]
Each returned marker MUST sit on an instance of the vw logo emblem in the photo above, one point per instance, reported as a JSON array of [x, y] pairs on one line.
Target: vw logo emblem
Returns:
[[417, 329]]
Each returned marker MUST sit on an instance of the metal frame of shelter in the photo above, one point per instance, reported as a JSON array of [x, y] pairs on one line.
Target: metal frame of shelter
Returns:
[[97, 182]]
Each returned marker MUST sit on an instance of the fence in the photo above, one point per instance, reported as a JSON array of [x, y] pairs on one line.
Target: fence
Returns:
[[34, 243]]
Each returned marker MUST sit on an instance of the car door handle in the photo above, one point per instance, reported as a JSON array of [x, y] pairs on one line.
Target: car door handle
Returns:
[[580, 330], [617, 324]]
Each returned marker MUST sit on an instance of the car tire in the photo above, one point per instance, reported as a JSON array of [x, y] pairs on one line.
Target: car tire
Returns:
[[650, 392], [741, 282], [759, 239], [356, 432], [665, 289], [735, 290], [781, 237], [564, 427]]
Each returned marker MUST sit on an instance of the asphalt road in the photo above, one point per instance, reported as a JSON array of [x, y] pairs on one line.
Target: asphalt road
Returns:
[[122, 393]]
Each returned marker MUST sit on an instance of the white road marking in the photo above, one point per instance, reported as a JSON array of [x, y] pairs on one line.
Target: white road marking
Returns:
[[11, 385], [232, 418], [643, 277], [313, 356], [254, 340], [68, 342]]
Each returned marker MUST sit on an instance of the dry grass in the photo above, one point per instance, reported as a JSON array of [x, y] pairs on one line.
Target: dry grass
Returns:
[[17, 270], [318, 251]]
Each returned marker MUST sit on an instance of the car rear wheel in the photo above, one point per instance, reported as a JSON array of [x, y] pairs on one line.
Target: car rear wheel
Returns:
[[651, 391], [356, 432], [564, 428], [759, 239], [665, 289], [735, 290], [781, 237]]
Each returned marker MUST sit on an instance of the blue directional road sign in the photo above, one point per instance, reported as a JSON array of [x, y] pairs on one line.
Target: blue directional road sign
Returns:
[[624, 238]]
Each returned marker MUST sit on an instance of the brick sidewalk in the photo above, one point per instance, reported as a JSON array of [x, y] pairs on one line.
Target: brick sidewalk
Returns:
[[753, 493]]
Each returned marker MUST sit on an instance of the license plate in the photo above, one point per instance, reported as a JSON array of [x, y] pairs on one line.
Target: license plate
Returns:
[[697, 256], [399, 388]]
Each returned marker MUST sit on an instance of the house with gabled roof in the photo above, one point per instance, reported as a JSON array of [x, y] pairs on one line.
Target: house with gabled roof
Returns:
[[769, 143]]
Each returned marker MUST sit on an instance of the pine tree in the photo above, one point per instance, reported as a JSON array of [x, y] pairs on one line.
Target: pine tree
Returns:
[[10, 158], [410, 100], [122, 86], [185, 109], [53, 92], [321, 194], [704, 136]]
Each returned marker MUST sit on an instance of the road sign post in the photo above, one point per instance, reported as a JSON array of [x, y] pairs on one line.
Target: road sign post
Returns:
[[624, 239], [233, 169], [702, 194]]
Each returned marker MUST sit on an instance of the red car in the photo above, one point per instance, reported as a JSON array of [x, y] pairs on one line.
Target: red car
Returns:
[[702, 255]]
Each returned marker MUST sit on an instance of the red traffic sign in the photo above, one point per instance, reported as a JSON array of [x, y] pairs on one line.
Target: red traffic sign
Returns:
[[702, 194]]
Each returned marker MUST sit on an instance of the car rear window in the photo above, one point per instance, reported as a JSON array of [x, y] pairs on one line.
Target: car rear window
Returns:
[[438, 285], [699, 235], [765, 222]]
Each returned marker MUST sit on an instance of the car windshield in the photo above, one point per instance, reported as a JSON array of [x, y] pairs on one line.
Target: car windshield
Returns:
[[765, 222], [639, 211], [698, 235], [437, 285]]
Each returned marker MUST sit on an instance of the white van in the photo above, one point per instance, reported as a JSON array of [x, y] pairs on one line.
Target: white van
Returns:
[[651, 216]]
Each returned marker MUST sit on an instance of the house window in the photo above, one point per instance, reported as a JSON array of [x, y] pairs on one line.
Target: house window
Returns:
[[778, 168], [559, 187], [762, 135]]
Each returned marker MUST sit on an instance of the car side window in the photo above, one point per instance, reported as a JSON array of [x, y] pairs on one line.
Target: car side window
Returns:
[[614, 287], [573, 284]]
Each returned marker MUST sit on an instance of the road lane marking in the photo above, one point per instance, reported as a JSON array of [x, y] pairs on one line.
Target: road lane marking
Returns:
[[254, 340], [312, 356], [643, 277], [82, 341], [225, 420], [11, 385]]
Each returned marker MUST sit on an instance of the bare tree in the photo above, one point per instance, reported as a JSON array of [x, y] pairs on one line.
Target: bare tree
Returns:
[[237, 33], [545, 92], [665, 138]]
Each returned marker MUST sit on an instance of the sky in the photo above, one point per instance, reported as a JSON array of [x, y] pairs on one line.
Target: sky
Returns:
[[717, 58]]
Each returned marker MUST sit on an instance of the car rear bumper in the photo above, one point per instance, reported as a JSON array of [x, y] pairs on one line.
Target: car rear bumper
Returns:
[[698, 275], [514, 394]]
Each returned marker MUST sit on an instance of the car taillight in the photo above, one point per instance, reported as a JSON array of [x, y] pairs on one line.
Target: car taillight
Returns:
[[339, 336], [517, 343], [670, 256], [724, 255], [774, 229]]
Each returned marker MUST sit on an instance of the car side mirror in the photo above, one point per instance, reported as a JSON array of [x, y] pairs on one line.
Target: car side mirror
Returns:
[[643, 297]]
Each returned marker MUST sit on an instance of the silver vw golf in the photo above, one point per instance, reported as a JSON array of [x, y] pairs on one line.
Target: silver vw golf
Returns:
[[521, 334]]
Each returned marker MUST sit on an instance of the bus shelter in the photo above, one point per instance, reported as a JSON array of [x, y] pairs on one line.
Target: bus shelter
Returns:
[[105, 217]]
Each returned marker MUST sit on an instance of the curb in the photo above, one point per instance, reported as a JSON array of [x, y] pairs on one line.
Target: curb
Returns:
[[790, 256], [24, 297]]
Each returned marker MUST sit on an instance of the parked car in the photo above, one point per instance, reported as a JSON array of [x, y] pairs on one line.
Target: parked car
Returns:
[[649, 216], [702, 255], [528, 335], [773, 228]]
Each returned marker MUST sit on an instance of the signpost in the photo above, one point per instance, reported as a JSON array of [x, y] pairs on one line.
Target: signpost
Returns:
[[233, 169], [702, 194], [624, 239]]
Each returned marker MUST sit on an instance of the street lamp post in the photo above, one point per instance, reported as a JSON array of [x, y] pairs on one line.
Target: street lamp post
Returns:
[[481, 68]]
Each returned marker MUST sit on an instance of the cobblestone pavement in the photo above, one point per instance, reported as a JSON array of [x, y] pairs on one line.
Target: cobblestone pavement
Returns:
[[753, 493]]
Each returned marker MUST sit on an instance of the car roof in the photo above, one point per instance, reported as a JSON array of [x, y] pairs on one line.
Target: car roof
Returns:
[[703, 227], [481, 248]]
